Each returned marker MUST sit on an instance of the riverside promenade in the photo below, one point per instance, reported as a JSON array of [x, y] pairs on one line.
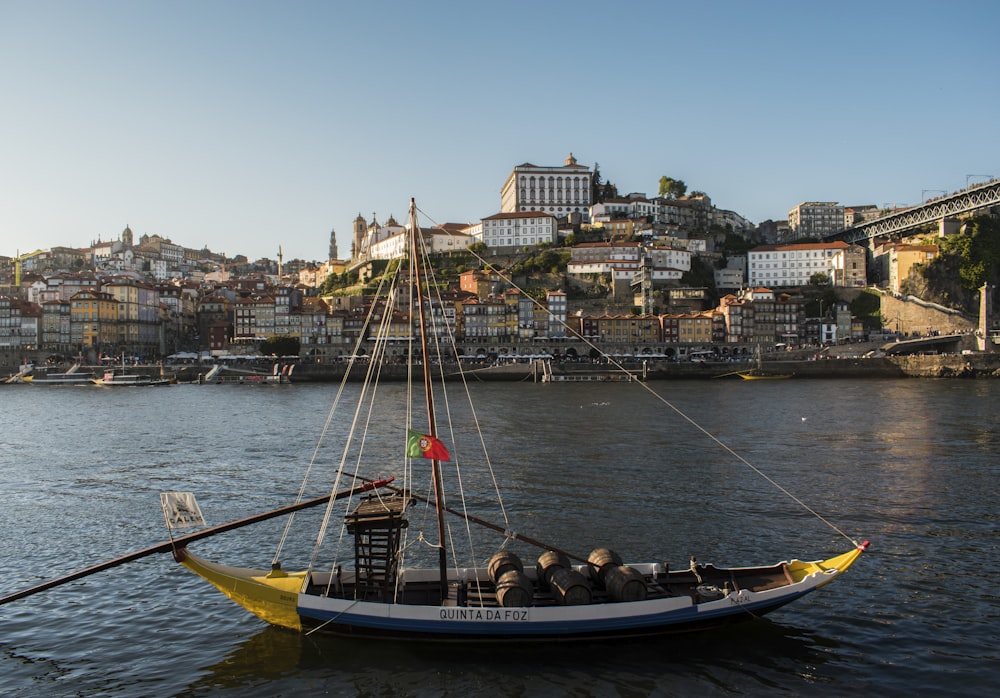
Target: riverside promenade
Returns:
[[980, 365], [848, 361]]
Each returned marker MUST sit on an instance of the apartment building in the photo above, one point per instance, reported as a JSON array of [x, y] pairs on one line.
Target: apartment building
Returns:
[[816, 219], [514, 230], [796, 265]]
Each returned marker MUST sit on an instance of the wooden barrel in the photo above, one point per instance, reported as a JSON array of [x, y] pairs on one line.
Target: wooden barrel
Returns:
[[601, 560], [548, 563], [501, 563], [514, 589], [625, 583], [570, 588]]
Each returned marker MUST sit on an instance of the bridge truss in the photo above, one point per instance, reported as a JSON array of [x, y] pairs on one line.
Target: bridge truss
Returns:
[[966, 201]]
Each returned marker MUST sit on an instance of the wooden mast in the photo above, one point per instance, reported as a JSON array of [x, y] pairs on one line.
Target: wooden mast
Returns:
[[415, 271]]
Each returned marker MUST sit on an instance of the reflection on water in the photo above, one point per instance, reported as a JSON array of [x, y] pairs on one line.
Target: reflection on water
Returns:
[[744, 658], [910, 465]]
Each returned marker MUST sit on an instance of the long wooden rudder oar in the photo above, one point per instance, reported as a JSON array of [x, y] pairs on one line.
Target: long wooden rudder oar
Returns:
[[171, 545]]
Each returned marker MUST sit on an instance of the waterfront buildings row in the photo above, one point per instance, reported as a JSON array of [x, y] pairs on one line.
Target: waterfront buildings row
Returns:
[[85, 312], [122, 315]]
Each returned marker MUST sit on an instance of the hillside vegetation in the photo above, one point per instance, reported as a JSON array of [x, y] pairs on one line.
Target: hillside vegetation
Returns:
[[967, 261]]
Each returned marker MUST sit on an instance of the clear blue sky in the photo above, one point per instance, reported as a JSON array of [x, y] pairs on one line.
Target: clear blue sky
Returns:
[[246, 125]]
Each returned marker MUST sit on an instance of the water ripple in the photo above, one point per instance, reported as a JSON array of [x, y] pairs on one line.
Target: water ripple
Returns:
[[907, 464]]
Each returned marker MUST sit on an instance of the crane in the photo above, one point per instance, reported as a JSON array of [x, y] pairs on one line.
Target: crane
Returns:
[[18, 258]]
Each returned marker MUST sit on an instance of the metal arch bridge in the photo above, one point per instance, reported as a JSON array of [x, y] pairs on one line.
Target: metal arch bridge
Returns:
[[966, 201]]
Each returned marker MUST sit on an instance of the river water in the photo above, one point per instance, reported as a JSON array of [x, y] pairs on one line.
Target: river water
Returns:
[[909, 464]]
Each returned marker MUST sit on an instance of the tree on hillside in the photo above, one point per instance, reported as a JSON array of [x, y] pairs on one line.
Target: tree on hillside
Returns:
[[978, 248], [867, 306], [601, 191], [672, 188]]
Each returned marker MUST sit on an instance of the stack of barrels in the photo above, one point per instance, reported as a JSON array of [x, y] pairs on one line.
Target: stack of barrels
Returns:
[[513, 587], [568, 586], [623, 583]]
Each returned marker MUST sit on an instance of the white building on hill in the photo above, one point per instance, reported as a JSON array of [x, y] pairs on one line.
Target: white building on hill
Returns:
[[796, 265], [516, 230]]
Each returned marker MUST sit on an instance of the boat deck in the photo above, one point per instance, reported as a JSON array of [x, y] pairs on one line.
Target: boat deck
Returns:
[[704, 583]]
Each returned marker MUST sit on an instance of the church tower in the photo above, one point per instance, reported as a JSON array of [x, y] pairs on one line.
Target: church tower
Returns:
[[127, 237], [333, 245], [360, 229]]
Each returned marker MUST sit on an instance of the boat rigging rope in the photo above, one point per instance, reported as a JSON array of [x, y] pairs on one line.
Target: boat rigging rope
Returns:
[[487, 265], [370, 380], [322, 437], [747, 463], [438, 328]]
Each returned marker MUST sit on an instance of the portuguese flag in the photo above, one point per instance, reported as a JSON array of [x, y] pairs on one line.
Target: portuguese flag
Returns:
[[422, 446]]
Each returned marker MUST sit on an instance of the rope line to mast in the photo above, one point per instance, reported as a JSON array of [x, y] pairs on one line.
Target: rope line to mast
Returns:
[[666, 402]]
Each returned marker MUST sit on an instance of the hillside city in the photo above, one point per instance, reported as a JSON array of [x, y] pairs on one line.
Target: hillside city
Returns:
[[566, 257]]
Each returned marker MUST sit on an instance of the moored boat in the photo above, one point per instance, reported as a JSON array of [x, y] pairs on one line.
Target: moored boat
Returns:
[[73, 376], [754, 376], [649, 600], [121, 377], [114, 379], [758, 373], [280, 375], [381, 584]]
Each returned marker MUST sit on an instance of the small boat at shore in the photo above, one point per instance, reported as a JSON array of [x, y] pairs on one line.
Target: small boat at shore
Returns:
[[752, 376], [759, 374], [120, 377], [73, 376], [280, 375], [113, 379]]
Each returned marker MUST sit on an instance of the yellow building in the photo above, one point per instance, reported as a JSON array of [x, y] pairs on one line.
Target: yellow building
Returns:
[[625, 329], [94, 320], [695, 327], [902, 259], [617, 228], [138, 314]]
